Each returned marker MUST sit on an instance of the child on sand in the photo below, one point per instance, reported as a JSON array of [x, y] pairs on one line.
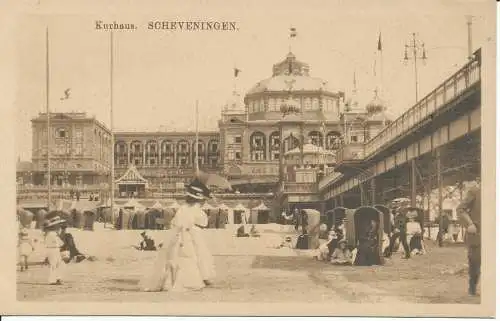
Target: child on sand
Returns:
[[25, 248]]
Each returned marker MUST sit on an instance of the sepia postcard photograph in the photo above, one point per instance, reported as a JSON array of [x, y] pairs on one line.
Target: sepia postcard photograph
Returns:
[[287, 158]]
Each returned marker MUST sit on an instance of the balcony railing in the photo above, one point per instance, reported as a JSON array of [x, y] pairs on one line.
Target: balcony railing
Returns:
[[351, 152], [466, 77], [265, 168], [330, 177], [308, 188]]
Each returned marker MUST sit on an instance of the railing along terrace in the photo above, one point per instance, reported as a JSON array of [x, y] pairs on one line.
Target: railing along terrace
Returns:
[[330, 177], [353, 151], [466, 77], [301, 187]]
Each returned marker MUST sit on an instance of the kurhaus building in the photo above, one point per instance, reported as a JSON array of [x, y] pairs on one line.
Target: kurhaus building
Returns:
[[286, 123]]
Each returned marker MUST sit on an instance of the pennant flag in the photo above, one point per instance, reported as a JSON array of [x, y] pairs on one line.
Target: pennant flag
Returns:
[[236, 72], [379, 46], [293, 32]]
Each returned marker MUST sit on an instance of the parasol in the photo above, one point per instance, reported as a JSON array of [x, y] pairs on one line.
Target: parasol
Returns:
[[216, 180]]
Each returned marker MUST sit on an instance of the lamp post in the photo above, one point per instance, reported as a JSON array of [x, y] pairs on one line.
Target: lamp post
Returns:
[[413, 52]]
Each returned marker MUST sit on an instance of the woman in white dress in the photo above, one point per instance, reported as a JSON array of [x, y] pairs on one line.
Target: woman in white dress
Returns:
[[185, 263]]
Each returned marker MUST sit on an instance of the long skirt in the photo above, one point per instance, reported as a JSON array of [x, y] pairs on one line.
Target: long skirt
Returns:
[[178, 266], [56, 265]]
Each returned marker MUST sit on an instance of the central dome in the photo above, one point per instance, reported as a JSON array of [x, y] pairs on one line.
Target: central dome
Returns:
[[279, 84], [290, 85]]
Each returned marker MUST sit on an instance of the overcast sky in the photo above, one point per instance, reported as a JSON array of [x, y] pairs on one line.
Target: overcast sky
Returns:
[[160, 74]]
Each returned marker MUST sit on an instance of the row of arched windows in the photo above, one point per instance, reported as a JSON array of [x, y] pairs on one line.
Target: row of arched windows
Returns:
[[268, 148], [167, 153], [307, 103]]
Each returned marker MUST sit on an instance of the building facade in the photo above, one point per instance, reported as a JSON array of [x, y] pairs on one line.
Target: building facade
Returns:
[[289, 113], [80, 150]]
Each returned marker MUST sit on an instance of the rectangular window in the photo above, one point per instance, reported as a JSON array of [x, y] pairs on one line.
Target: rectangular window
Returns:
[[238, 156], [78, 149], [354, 139], [78, 132], [237, 139]]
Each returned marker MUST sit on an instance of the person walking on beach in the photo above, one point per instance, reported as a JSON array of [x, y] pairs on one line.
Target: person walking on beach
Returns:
[[470, 213], [53, 244], [185, 263]]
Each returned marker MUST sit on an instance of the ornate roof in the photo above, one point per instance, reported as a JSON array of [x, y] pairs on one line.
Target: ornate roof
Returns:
[[132, 176], [290, 75], [279, 84]]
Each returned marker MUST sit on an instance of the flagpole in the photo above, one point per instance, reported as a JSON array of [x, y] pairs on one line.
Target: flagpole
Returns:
[[47, 81], [111, 125], [197, 168], [381, 56]]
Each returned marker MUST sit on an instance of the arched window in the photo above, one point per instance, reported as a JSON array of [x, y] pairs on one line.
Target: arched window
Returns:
[[291, 142], [201, 152], [151, 153], [136, 153], [258, 146], [213, 152], [121, 153], [333, 140], [307, 103], [274, 145], [315, 104], [316, 138], [167, 153], [183, 153]]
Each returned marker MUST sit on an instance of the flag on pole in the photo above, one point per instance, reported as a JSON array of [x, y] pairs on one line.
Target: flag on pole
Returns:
[[379, 45], [236, 72], [293, 32]]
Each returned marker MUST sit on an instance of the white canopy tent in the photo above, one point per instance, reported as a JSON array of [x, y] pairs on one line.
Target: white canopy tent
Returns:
[[243, 211], [261, 207], [223, 207], [133, 204], [258, 210], [157, 206]]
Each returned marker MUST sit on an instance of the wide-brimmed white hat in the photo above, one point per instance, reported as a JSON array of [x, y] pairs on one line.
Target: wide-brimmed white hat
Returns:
[[197, 190], [53, 221]]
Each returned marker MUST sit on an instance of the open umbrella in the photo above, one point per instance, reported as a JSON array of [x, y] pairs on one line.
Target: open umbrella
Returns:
[[216, 180]]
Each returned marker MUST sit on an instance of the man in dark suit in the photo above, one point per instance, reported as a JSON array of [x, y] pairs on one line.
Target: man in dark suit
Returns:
[[470, 214], [399, 231]]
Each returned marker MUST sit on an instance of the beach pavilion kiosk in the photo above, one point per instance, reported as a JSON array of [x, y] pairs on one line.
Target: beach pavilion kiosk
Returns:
[[131, 183]]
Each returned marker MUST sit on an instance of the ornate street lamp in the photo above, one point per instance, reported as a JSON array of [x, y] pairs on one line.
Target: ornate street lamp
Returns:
[[413, 52]]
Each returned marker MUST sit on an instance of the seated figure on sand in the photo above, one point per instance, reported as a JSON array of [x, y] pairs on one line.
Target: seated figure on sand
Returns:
[[342, 255]]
